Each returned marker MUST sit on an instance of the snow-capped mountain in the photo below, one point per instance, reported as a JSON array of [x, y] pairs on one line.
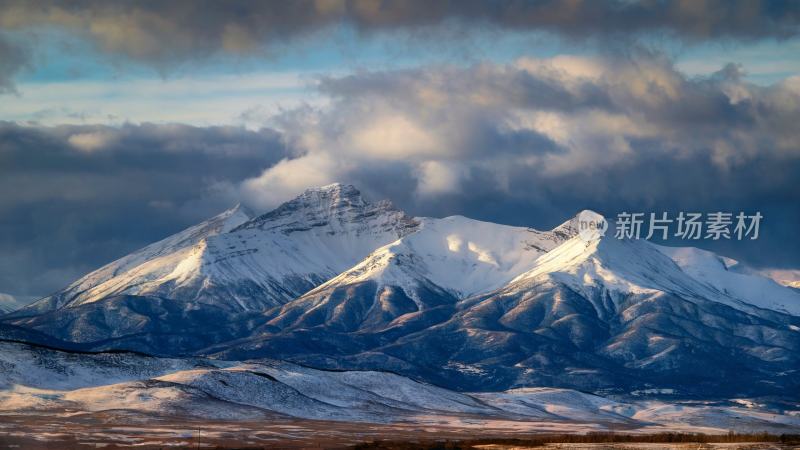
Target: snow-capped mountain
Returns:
[[744, 286], [444, 261], [603, 315], [459, 255], [147, 270], [332, 280], [624, 267], [613, 308], [214, 273], [235, 263]]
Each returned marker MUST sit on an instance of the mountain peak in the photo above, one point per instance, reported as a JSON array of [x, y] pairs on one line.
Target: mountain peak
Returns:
[[336, 206], [337, 194], [240, 208], [577, 224], [335, 187], [231, 218]]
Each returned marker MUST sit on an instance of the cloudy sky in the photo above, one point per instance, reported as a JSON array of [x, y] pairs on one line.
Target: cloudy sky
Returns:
[[123, 122]]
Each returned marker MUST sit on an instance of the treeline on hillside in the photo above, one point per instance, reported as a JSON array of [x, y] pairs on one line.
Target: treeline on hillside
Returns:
[[588, 438]]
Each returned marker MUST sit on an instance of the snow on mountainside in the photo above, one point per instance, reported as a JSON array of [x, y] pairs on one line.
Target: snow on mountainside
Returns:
[[463, 257], [37, 378], [604, 315], [612, 308], [625, 267], [142, 271], [460, 255], [240, 264], [331, 280], [45, 368], [308, 240], [444, 261], [41, 381], [330, 237], [785, 277], [725, 276]]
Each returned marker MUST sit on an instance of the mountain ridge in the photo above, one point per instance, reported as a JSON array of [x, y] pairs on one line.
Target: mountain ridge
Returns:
[[334, 281], [45, 381], [221, 257]]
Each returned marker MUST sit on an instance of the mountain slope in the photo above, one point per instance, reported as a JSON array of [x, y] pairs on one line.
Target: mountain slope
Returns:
[[143, 271], [732, 279], [459, 255], [239, 264], [635, 267], [603, 315], [444, 261], [206, 284], [38, 381], [331, 280], [590, 314]]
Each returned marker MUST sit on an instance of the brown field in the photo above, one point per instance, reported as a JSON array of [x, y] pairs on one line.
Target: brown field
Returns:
[[113, 430]]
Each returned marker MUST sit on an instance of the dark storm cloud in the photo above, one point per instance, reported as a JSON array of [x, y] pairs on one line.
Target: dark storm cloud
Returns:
[[156, 29], [171, 32], [75, 197], [13, 58], [533, 142]]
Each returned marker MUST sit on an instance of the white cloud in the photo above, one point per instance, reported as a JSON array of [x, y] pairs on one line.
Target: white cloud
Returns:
[[91, 142], [564, 67], [394, 137], [436, 177], [288, 178], [546, 118]]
